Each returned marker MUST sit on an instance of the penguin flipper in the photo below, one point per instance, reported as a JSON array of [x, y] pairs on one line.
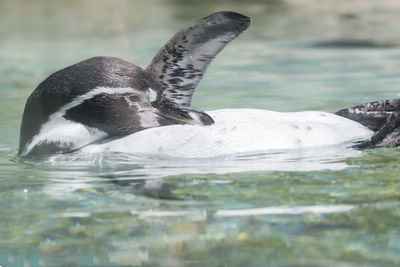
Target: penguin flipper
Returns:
[[181, 63], [382, 117]]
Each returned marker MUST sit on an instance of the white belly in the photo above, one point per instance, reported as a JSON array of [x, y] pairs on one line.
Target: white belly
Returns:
[[240, 131]]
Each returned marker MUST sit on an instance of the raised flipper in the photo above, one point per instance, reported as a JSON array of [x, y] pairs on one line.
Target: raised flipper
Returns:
[[181, 63], [382, 117]]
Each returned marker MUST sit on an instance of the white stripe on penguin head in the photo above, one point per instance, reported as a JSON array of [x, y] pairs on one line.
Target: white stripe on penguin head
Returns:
[[69, 133]]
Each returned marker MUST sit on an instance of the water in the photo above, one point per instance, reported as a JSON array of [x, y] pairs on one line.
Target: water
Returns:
[[284, 208]]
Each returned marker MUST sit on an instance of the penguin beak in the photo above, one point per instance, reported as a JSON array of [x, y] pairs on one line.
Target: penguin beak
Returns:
[[181, 114]]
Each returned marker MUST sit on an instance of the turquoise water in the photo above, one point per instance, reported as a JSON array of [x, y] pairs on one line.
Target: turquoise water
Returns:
[[290, 208]]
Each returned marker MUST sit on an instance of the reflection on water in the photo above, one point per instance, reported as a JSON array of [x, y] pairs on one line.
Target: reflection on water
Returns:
[[320, 207], [144, 173], [105, 220]]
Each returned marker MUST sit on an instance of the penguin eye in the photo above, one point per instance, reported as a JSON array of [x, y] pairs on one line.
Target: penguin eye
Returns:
[[134, 98]]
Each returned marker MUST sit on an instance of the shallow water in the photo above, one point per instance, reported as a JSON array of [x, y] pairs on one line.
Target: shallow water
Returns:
[[322, 207]]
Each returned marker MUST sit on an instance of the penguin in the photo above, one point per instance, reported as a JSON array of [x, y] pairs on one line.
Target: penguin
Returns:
[[108, 104], [106, 97]]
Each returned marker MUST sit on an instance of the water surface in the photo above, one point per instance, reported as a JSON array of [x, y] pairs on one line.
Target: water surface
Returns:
[[325, 207]]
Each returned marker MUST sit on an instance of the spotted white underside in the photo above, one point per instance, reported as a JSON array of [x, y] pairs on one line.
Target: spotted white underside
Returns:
[[241, 131]]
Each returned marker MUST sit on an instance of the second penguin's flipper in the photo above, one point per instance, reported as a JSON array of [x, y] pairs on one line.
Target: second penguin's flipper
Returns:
[[181, 63], [382, 117]]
